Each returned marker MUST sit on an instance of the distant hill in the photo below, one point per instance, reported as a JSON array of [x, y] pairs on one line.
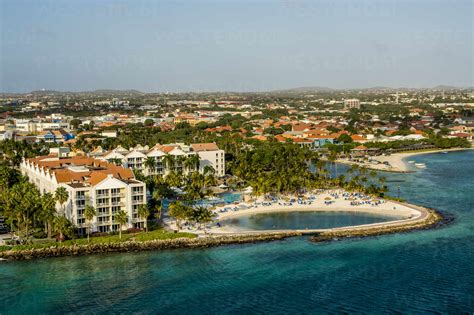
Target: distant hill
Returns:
[[110, 91], [305, 89], [100, 91], [446, 88], [45, 92]]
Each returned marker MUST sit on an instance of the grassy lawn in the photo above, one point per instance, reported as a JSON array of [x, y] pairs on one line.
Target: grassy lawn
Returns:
[[141, 236]]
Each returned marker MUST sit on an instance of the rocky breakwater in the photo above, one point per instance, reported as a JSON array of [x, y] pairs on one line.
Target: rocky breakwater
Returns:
[[429, 219], [132, 246]]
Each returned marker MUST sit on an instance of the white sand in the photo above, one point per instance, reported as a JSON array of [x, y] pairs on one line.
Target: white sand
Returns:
[[407, 213], [397, 161]]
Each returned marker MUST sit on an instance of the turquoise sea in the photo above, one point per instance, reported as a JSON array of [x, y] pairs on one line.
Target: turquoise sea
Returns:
[[301, 220], [419, 272]]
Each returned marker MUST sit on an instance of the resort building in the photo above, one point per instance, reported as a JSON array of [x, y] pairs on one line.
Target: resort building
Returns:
[[162, 159], [105, 186]]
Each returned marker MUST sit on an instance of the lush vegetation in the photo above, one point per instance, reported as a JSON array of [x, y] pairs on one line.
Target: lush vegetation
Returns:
[[28, 213], [274, 168], [140, 236]]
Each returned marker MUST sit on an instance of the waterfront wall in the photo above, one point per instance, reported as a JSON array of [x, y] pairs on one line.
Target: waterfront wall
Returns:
[[432, 220], [131, 246]]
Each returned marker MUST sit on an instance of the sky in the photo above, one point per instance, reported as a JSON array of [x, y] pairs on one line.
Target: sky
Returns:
[[240, 45]]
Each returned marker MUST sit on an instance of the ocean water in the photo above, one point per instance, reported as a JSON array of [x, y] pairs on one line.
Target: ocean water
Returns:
[[418, 272], [304, 220]]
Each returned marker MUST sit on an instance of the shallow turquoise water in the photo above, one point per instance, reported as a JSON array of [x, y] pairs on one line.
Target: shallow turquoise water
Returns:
[[425, 271], [304, 220]]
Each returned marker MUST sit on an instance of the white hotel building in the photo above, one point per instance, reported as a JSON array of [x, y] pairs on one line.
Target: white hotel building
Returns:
[[105, 186], [208, 153]]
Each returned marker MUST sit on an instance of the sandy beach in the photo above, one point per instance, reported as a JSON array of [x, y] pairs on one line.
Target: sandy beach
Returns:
[[397, 161], [316, 202]]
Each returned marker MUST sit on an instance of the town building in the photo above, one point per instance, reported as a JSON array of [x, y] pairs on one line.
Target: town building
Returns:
[[105, 186], [162, 159]]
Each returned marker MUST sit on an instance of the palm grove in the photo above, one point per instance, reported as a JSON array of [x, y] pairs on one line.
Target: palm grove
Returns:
[[268, 167]]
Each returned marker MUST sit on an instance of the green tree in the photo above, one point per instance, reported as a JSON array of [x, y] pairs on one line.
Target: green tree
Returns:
[[344, 138], [75, 123], [150, 164], [61, 196], [143, 213], [89, 214], [48, 205], [121, 218], [149, 122], [179, 211], [63, 226]]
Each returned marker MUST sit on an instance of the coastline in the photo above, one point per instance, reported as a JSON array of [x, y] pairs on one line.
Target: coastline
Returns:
[[397, 161], [413, 218], [384, 207]]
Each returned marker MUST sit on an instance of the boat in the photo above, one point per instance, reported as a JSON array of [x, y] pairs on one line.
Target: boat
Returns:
[[420, 165], [411, 162], [444, 152]]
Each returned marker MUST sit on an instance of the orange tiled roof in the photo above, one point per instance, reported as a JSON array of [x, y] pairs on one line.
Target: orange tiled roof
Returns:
[[167, 148], [357, 138], [261, 138], [59, 167]]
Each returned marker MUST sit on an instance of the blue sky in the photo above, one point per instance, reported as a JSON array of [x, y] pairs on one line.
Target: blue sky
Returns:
[[234, 45]]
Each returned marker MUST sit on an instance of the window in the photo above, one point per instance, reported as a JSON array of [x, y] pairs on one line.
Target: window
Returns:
[[137, 190], [102, 211]]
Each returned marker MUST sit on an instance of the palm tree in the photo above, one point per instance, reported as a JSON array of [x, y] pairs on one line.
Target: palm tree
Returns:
[[169, 161], [61, 196], [332, 158], [159, 209], [116, 161], [191, 163], [89, 214], [174, 179], [178, 211], [48, 205], [179, 163], [150, 164], [121, 218], [143, 212], [209, 170], [63, 226]]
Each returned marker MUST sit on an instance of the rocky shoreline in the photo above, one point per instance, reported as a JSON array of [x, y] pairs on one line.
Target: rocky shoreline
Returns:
[[133, 246], [433, 220]]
